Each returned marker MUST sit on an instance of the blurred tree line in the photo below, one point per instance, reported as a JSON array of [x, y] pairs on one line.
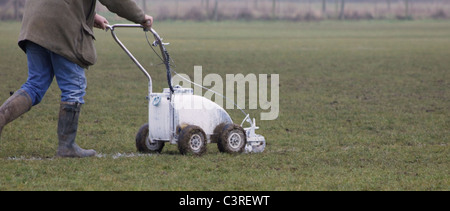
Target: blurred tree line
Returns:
[[11, 9], [296, 10]]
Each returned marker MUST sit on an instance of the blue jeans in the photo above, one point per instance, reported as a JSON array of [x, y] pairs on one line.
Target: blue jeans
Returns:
[[43, 65]]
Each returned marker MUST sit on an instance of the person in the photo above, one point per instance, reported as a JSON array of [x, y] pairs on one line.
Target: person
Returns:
[[57, 37]]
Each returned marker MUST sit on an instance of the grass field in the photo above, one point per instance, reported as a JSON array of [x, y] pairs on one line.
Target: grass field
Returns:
[[363, 106]]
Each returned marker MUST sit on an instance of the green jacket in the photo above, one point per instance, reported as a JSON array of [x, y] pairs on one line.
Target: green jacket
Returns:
[[65, 26]]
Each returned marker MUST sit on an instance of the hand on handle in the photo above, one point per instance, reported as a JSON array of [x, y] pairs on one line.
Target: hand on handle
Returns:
[[100, 22], [148, 23]]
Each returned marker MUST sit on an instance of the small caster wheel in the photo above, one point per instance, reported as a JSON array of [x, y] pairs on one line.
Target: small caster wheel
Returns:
[[143, 143]]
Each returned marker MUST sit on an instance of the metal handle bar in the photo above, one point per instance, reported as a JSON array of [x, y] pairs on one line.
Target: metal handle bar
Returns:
[[112, 27], [113, 33], [158, 41]]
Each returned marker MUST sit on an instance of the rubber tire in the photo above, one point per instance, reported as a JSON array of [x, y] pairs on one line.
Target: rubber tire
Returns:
[[141, 139], [228, 131], [215, 137], [184, 141]]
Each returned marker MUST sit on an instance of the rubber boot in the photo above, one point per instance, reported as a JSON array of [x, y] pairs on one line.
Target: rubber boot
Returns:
[[16, 105], [67, 132]]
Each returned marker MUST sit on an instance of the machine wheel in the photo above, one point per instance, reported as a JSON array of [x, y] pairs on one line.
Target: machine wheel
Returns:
[[217, 132], [232, 139], [143, 143], [192, 140]]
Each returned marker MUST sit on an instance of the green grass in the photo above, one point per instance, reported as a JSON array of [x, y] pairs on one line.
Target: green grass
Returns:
[[363, 106]]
